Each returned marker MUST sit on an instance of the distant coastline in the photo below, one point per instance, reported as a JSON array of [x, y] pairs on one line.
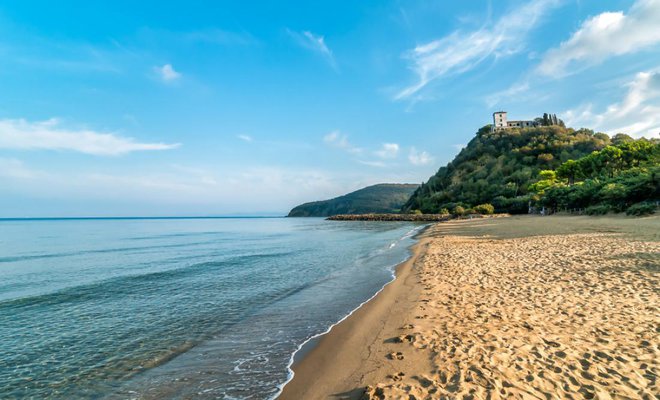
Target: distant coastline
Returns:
[[380, 198]]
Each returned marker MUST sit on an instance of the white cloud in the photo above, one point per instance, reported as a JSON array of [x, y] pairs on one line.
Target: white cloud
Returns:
[[167, 73], [178, 188], [515, 90], [15, 169], [340, 140], [315, 43], [460, 52], [47, 135], [419, 157], [606, 35], [377, 164], [637, 114], [388, 150], [246, 138]]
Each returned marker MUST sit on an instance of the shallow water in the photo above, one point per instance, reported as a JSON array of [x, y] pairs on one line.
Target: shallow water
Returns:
[[171, 308]]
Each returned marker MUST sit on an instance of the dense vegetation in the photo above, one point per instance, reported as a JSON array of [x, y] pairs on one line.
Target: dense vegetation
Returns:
[[498, 167], [623, 177], [383, 198]]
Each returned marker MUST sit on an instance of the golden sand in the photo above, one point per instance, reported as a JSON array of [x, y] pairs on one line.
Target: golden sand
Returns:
[[499, 311]]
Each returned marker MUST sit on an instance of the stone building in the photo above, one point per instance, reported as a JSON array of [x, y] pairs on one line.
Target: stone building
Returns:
[[501, 122]]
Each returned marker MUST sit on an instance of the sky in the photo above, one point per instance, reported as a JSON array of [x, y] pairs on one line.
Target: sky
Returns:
[[152, 108]]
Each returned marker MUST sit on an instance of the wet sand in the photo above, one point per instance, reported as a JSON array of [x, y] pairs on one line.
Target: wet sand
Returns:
[[521, 307]]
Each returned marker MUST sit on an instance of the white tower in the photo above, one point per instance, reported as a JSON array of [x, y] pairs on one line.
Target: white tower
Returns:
[[499, 120]]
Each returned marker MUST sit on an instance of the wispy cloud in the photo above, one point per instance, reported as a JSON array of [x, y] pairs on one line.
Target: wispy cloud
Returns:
[[175, 187], [48, 135], [340, 140], [637, 113], [15, 169], [516, 89], [388, 150], [315, 43], [606, 35], [419, 157], [167, 73], [245, 138], [460, 52], [377, 164], [68, 56]]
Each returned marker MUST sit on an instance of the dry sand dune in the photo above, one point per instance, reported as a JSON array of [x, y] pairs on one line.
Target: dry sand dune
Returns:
[[502, 313]]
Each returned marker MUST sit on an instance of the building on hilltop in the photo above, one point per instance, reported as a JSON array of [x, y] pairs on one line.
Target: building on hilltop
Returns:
[[501, 122]]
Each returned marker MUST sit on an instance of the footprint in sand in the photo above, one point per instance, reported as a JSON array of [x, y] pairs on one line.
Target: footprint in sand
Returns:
[[397, 377], [406, 338]]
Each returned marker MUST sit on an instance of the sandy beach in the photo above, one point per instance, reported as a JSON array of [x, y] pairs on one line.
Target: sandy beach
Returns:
[[520, 307]]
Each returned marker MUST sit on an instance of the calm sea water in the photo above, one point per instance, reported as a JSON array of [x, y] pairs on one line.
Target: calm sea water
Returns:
[[177, 308]]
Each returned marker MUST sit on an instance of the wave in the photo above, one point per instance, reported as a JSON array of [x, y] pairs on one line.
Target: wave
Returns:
[[125, 285], [101, 251]]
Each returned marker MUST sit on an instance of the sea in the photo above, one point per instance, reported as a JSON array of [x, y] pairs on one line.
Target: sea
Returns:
[[177, 308]]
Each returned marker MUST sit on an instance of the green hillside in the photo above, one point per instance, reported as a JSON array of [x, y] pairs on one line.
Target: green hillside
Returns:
[[623, 177], [383, 198], [499, 167]]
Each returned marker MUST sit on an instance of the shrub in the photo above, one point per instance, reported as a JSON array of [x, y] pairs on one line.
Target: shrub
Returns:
[[444, 211], [643, 208], [515, 205], [485, 209], [597, 210], [417, 212], [458, 210]]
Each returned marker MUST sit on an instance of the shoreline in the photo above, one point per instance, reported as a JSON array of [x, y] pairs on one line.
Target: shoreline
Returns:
[[303, 369], [306, 347], [362, 357]]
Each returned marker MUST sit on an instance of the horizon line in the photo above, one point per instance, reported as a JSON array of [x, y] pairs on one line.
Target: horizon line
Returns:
[[140, 217]]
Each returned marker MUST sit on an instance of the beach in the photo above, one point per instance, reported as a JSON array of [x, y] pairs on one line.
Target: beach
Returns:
[[519, 307]]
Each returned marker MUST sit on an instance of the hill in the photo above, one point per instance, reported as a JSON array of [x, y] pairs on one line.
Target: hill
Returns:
[[499, 167], [382, 198]]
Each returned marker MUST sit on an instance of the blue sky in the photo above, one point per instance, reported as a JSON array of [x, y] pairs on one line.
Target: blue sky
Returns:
[[216, 108]]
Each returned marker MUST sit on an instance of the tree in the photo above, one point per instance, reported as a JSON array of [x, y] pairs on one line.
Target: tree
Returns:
[[545, 157], [548, 175], [548, 179], [546, 119], [621, 138], [485, 209], [610, 160], [569, 170]]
